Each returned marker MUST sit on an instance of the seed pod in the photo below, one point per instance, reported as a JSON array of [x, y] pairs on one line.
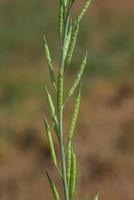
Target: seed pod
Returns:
[[65, 2], [73, 175], [49, 62], [50, 142], [53, 188], [50, 103], [61, 19], [52, 111], [68, 39], [72, 43], [84, 9], [78, 77], [74, 116], [60, 91], [68, 160], [97, 197]]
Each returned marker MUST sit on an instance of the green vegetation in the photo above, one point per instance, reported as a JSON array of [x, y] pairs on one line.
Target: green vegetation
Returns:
[[107, 108], [109, 36], [68, 28]]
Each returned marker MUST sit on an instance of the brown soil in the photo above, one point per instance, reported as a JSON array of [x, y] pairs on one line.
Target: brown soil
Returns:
[[108, 113]]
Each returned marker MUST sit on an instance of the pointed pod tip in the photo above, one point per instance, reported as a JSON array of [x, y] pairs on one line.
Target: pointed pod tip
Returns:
[[79, 90], [46, 89], [44, 38], [85, 58], [86, 55], [48, 177], [47, 173], [46, 123], [45, 120], [97, 196]]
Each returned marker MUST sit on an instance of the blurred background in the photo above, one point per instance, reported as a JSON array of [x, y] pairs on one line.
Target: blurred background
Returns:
[[104, 139]]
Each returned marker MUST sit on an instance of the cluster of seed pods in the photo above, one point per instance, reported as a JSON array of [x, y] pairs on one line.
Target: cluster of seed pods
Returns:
[[68, 29]]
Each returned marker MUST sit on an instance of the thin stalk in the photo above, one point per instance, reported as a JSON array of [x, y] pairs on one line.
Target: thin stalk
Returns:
[[63, 162], [62, 147], [68, 30]]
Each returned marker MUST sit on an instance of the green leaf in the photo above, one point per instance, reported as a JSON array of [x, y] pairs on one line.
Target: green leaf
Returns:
[[53, 188], [74, 116], [78, 77], [50, 142], [49, 62], [84, 9]]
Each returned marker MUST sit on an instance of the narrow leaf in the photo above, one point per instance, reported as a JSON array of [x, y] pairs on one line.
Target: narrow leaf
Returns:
[[53, 188], [50, 142], [74, 116], [49, 62], [78, 77], [73, 175], [84, 9]]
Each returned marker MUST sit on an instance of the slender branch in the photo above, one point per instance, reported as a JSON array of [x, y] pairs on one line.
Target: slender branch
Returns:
[[62, 146], [63, 162], [68, 32]]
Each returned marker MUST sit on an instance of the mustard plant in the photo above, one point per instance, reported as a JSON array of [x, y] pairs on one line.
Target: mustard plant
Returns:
[[68, 28]]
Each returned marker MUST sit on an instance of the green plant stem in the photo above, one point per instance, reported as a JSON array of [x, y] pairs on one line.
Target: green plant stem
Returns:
[[63, 162], [62, 147]]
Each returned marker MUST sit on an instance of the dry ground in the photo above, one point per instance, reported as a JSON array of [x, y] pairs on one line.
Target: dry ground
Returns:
[[104, 145]]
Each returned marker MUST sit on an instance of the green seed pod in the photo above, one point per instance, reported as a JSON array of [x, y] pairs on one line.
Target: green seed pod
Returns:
[[68, 161], [50, 103], [78, 77], [49, 62], [61, 19], [84, 9], [74, 116], [50, 142], [72, 43], [73, 176], [52, 111], [68, 39], [97, 196], [60, 91], [53, 188], [65, 2]]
